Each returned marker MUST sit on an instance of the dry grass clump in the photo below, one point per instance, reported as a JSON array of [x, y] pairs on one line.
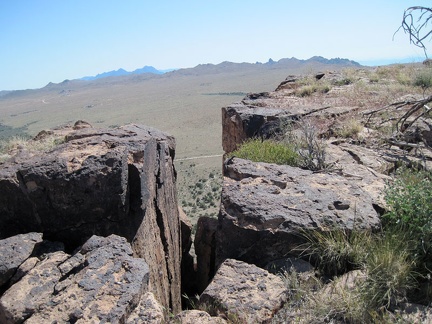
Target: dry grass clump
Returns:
[[308, 90], [350, 128], [374, 272], [267, 151], [311, 85], [9, 146]]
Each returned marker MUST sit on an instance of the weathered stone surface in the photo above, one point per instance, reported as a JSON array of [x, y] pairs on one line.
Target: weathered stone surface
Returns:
[[24, 268], [101, 182], [205, 247], [25, 297], [250, 293], [188, 277], [265, 207], [14, 251], [148, 311], [361, 166], [102, 282], [196, 316], [414, 313]]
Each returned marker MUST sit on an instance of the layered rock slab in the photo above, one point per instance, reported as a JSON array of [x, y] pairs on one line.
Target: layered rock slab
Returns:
[[266, 208], [101, 182], [102, 282]]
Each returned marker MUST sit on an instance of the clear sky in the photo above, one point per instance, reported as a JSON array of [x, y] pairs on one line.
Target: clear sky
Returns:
[[52, 40]]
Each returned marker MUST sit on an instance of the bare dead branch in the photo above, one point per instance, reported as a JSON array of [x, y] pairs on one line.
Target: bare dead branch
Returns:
[[416, 22], [419, 104]]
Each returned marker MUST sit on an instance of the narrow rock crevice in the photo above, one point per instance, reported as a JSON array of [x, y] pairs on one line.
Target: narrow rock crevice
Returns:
[[161, 225], [354, 156]]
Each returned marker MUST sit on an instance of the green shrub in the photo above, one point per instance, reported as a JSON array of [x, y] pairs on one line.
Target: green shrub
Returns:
[[267, 151], [409, 199], [423, 79]]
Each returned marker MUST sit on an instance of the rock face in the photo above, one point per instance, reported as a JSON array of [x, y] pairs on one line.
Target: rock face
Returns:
[[14, 251], [263, 114], [265, 207], [249, 293], [102, 282], [101, 182], [205, 247]]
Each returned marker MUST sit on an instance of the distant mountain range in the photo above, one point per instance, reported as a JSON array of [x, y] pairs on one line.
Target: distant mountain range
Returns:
[[284, 61], [122, 72], [290, 65]]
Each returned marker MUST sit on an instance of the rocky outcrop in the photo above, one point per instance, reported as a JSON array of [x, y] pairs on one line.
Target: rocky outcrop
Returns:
[[101, 282], [245, 292], [101, 182], [264, 115], [266, 207]]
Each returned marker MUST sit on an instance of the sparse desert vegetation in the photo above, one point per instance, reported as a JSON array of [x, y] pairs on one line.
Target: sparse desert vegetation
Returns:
[[390, 266]]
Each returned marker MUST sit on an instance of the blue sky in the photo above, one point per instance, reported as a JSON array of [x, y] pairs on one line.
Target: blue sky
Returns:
[[52, 40]]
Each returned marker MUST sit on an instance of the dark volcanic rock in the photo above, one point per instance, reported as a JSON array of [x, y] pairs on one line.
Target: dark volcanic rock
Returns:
[[240, 122], [102, 282], [25, 297], [250, 293], [265, 208], [101, 182], [205, 247], [14, 251], [188, 277]]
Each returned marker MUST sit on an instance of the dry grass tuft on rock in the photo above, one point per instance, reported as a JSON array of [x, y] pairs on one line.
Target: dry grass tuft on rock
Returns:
[[12, 145], [267, 151]]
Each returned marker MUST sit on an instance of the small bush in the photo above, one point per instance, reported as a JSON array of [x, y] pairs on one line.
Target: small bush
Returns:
[[423, 79], [311, 149], [409, 199], [350, 129], [267, 151]]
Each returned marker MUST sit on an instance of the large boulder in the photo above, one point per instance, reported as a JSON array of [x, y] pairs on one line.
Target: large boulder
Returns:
[[102, 282], [266, 208], [101, 182], [244, 292]]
